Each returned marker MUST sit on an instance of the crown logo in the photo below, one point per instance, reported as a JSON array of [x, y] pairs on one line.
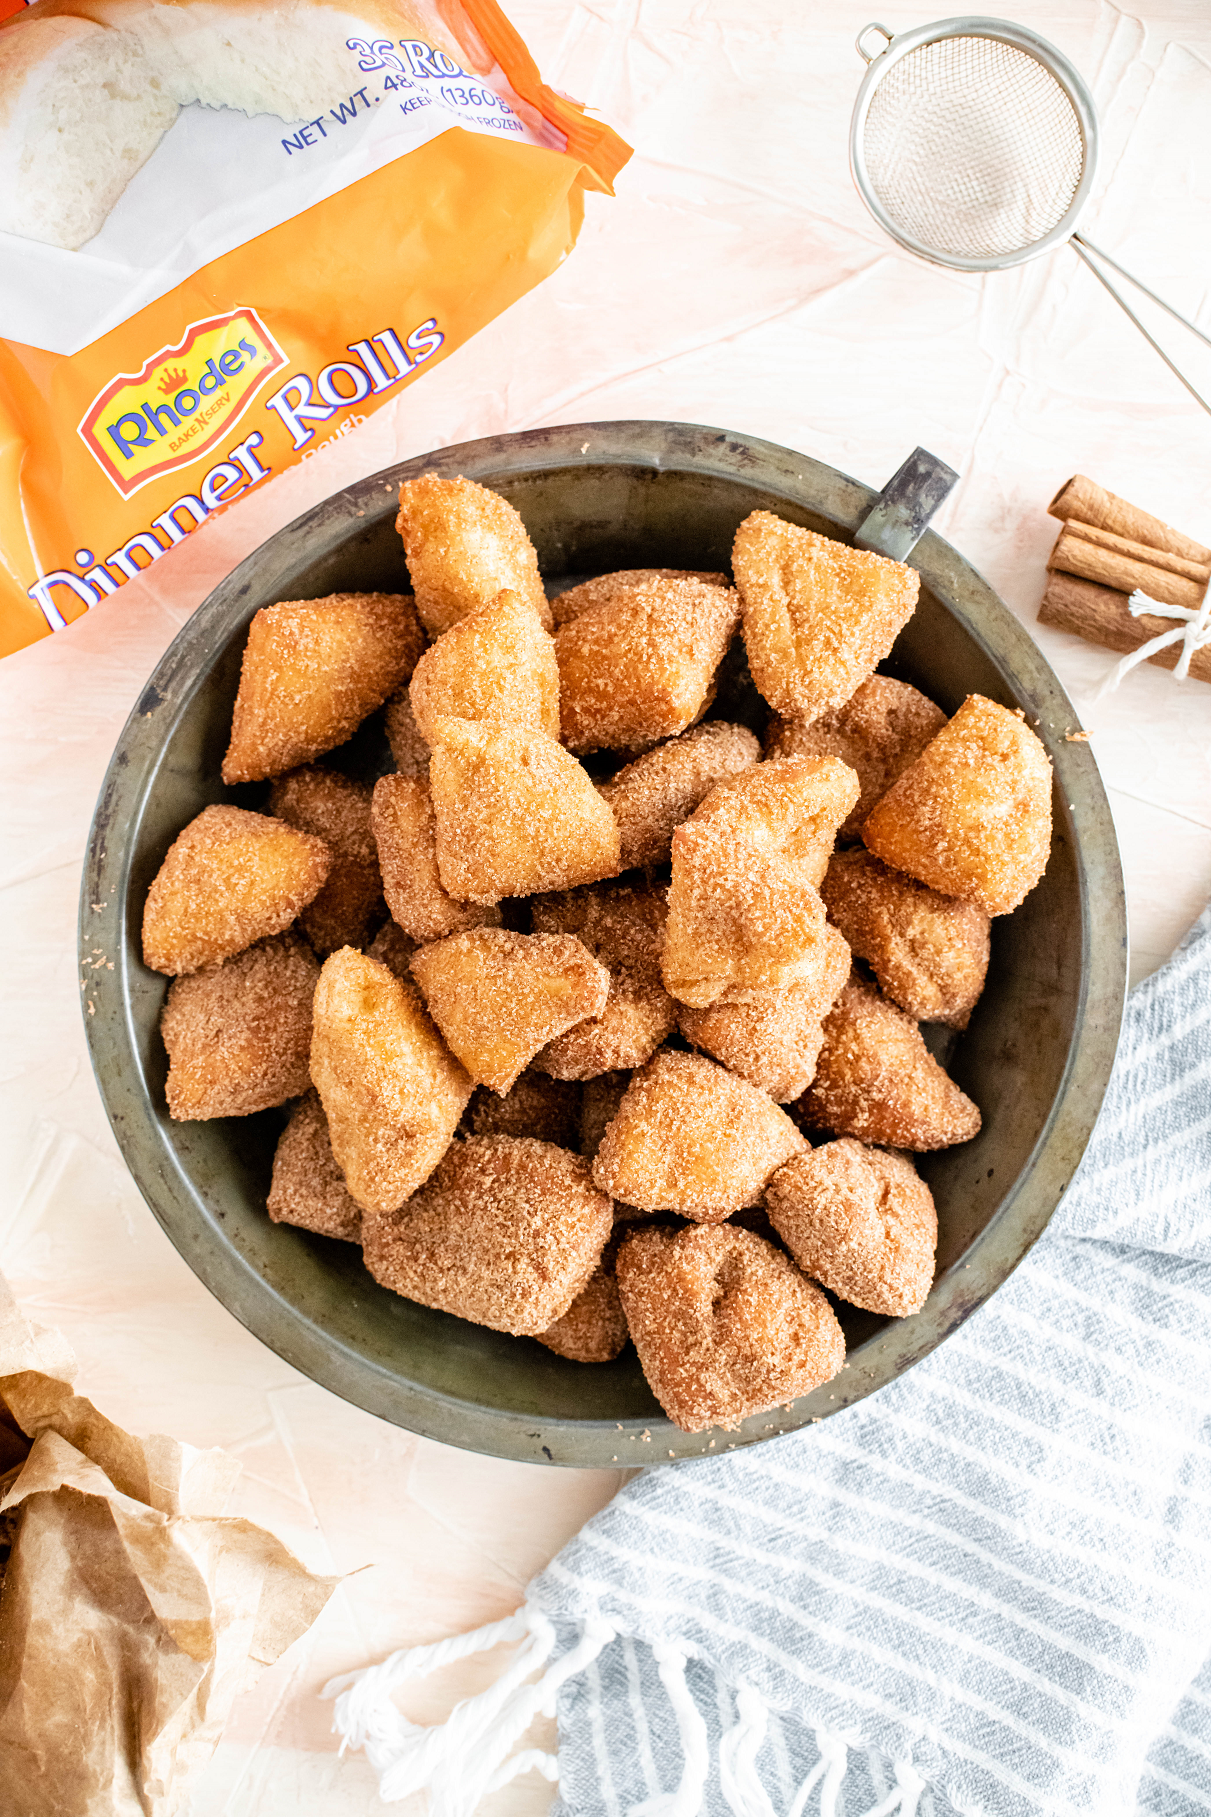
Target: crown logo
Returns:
[[172, 378]]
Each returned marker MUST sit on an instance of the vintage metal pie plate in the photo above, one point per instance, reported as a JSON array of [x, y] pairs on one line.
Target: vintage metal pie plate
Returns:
[[596, 497]]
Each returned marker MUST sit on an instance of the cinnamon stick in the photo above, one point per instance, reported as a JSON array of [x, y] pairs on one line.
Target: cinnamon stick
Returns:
[[1124, 573], [1156, 558], [1083, 500], [1100, 615]]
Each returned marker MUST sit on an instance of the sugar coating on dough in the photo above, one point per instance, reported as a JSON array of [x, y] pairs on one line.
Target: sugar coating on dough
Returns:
[[745, 912], [230, 878], [773, 1040], [972, 816], [594, 1328], [507, 1232], [638, 666], [391, 1089], [464, 544], [499, 996], [497, 663], [515, 814], [574, 600], [928, 951], [876, 1079], [238, 1034], [623, 927], [879, 731], [861, 1221], [651, 797], [394, 949], [691, 1137], [405, 832], [312, 671], [308, 1187], [724, 1324], [599, 1102], [819, 617], [337, 810], [409, 749], [534, 1105]]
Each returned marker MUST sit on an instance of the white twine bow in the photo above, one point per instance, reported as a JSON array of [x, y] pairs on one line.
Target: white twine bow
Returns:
[[1194, 634]]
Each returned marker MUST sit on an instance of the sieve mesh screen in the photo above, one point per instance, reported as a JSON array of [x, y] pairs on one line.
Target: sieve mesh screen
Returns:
[[972, 148]]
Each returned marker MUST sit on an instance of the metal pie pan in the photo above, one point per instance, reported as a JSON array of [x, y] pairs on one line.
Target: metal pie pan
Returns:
[[596, 497]]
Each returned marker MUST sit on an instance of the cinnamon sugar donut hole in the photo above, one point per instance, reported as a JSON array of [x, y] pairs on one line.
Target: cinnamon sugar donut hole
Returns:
[[515, 814], [651, 797], [534, 1105], [972, 816], [497, 663], [337, 810], [507, 1232], [882, 728], [405, 832], [877, 1080], [238, 1034], [230, 878], [312, 671], [928, 951], [391, 1089], [638, 666], [594, 1328], [691, 1137], [819, 617], [574, 600], [623, 927], [498, 997], [463, 543], [308, 1187], [859, 1220], [724, 1324], [773, 1040], [745, 913]]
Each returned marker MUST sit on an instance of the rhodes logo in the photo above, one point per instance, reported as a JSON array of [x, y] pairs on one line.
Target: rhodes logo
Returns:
[[182, 400]]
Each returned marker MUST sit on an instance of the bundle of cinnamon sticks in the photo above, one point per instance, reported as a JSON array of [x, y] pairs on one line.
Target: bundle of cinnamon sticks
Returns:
[[1106, 550]]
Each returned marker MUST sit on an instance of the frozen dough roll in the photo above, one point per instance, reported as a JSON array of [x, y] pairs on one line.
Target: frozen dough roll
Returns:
[[81, 110]]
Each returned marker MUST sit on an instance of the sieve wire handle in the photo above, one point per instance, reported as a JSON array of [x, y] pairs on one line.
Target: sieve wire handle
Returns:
[[869, 56], [1083, 248]]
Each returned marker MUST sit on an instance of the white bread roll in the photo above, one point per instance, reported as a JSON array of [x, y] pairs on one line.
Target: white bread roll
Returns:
[[81, 108], [88, 87], [283, 57]]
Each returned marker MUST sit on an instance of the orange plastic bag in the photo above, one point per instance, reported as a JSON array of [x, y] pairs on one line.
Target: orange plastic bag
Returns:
[[261, 283]]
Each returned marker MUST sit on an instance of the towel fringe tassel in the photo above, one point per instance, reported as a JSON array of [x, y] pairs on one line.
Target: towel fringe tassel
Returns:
[[462, 1759], [686, 1801], [738, 1751], [904, 1800]]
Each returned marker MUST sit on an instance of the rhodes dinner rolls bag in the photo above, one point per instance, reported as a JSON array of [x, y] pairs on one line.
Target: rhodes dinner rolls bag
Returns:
[[229, 229]]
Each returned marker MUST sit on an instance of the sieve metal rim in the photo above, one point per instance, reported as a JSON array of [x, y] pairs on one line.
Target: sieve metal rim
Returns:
[[1019, 37]]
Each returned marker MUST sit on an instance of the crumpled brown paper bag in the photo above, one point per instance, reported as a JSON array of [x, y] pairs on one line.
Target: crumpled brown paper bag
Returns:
[[131, 1611]]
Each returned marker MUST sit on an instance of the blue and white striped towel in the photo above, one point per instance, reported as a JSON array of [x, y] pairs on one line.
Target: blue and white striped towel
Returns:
[[986, 1589]]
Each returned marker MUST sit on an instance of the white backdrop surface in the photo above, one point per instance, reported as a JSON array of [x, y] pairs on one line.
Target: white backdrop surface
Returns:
[[736, 280]]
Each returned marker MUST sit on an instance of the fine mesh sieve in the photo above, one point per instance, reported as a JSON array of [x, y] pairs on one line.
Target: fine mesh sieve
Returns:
[[974, 144]]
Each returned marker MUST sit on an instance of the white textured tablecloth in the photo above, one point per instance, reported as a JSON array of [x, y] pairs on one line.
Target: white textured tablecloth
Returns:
[[736, 280]]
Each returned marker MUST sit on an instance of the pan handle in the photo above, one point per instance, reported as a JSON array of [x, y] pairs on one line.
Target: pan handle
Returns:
[[905, 506]]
